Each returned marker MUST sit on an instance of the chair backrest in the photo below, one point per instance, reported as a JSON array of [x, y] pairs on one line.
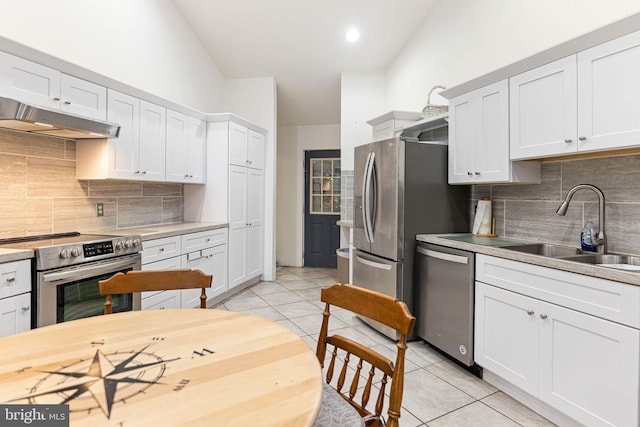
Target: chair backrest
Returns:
[[154, 280], [386, 310]]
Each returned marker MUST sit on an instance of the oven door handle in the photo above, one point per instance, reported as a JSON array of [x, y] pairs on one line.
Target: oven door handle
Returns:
[[88, 271]]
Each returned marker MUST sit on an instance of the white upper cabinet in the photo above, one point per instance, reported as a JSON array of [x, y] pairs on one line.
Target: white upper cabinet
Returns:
[[479, 139], [582, 103], [609, 95], [246, 146], [153, 123], [139, 151], [255, 150], [33, 83], [124, 153], [543, 110], [196, 146], [185, 161]]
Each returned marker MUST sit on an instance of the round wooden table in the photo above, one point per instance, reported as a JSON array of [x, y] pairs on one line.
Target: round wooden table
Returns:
[[188, 367]]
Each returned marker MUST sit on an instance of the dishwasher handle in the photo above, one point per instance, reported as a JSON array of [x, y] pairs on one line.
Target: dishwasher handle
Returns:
[[443, 256]]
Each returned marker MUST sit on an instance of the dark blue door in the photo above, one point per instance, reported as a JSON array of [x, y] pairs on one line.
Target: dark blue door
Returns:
[[322, 208]]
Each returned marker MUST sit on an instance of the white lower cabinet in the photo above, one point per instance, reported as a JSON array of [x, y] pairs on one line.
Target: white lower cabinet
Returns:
[[166, 255], [205, 250], [15, 297], [580, 364]]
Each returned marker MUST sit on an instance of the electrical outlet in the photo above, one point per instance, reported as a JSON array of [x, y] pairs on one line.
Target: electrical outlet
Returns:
[[99, 209]]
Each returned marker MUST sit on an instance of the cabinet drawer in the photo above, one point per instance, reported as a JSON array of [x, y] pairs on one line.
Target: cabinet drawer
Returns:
[[159, 249], [15, 278], [161, 300], [610, 300], [174, 263], [204, 239]]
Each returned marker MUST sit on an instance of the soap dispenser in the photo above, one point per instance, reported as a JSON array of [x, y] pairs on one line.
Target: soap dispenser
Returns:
[[586, 242]]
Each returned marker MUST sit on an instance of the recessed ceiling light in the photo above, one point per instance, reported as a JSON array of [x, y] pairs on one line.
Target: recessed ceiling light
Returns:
[[352, 35]]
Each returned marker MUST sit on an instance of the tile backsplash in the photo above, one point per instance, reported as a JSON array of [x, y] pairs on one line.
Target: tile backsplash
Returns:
[[39, 192], [528, 211]]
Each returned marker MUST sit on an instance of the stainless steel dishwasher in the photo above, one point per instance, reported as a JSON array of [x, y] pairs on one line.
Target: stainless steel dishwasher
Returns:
[[444, 299]]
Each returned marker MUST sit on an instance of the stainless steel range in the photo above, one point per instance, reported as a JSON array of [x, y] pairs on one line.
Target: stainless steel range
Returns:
[[67, 269]]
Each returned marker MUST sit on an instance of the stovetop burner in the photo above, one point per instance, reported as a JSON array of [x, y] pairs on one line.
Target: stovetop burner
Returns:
[[63, 249], [45, 240]]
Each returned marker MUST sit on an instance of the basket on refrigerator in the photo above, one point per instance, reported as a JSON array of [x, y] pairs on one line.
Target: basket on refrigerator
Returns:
[[430, 109]]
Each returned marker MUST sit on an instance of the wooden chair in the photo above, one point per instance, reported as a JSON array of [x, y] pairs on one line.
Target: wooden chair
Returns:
[[154, 280], [386, 310]]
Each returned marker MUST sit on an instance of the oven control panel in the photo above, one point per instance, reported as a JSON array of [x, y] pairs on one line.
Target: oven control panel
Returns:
[[71, 253], [97, 248]]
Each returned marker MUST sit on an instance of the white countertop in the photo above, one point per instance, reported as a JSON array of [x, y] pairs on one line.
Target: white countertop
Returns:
[[159, 231], [8, 255], [486, 245]]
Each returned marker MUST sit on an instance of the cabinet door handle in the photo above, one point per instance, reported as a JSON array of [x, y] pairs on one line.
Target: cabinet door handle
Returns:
[[56, 99], [11, 279], [543, 316], [469, 173], [582, 138], [568, 141], [530, 312], [25, 308], [477, 173], [67, 102]]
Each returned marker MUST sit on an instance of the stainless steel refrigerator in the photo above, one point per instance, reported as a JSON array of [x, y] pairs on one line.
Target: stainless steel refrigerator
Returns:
[[400, 190]]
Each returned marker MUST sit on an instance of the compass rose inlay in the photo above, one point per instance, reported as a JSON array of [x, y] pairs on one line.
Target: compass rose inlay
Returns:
[[94, 383]]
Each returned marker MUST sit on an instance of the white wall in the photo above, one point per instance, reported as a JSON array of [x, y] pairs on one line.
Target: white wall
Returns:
[[143, 43], [464, 39], [363, 97], [256, 100], [292, 143]]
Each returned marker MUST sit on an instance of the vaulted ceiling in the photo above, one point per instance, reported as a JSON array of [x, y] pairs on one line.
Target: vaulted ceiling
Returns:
[[301, 43]]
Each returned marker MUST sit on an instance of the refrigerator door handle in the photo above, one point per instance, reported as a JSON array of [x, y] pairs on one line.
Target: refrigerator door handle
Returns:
[[445, 257], [372, 263], [373, 211], [367, 195]]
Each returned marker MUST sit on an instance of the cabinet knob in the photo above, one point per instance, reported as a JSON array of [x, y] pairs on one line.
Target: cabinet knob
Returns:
[[67, 102], [582, 138], [568, 141], [186, 176], [530, 312], [143, 172], [11, 279], [136, 172], [543, 316], [25, 308], [56, 99], [477, 173], [469, 173]]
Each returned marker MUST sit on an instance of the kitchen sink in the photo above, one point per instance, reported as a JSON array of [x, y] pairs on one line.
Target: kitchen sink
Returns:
[[546, 249], [620, 262]]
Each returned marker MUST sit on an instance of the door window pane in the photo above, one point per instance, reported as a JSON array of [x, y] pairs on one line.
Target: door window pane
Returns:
[[325, 186]]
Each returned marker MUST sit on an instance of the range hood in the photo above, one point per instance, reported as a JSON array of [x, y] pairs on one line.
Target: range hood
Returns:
[[23, 117]]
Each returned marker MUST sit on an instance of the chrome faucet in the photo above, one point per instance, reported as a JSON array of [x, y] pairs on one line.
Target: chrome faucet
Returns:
[[599, 240]]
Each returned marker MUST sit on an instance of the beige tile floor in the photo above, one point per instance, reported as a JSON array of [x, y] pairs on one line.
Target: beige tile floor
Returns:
[[437, 392]]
